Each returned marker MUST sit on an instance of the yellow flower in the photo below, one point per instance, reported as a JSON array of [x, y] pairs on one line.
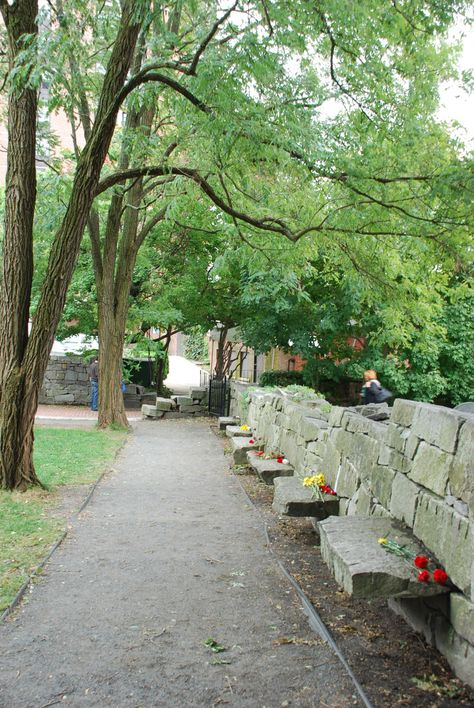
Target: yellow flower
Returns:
[[244, 428], [308, 481], [382, 541], [319, 479]]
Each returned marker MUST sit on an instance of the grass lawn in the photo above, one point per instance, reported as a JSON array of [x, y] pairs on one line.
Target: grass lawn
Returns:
[[28, 526]]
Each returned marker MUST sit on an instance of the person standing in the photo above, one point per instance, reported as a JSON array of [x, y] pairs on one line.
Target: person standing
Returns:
[[371, 387], [94, 379]]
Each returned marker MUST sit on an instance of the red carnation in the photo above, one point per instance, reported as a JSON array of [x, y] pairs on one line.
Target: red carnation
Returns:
[[421, 561], [439, 576], [251, 441], [423, 576], [260, 453], [280, 459]]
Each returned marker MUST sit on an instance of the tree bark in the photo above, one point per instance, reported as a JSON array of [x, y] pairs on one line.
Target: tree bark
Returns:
[[17, 270], [25, 378], [219, 370]]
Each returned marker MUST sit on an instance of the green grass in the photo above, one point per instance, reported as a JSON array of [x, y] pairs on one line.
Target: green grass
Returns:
[[28, 525]]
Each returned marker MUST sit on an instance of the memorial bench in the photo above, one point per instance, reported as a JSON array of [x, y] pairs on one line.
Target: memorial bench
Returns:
[[267, 469], [363, 568]]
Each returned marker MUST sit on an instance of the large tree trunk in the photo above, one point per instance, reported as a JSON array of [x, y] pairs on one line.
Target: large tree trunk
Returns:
[[16, 467], [111, 336], [16, 444]]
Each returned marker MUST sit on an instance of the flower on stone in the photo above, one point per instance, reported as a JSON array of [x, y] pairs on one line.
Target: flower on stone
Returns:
[[382, 541], [251, 441], [259, 453], [244, 428], [279, 459], [440, 576], [421, 562], [285, 461], [423, 576]]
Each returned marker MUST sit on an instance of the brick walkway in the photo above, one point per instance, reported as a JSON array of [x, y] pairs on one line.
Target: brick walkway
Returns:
[[45, 413]]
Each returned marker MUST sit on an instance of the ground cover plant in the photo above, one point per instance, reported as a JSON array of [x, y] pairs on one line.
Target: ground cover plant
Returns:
[[30, 522]]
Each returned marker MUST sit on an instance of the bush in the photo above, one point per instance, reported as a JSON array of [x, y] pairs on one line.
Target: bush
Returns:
[[280, 378]]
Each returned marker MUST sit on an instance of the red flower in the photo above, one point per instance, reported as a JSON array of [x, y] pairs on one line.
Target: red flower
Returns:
[[251, 441], [423, 576], [280, 459], [421, 561], [259, 453], [439, 576]]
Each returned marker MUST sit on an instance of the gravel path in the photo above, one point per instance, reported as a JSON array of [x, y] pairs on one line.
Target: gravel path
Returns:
[[168, 553]]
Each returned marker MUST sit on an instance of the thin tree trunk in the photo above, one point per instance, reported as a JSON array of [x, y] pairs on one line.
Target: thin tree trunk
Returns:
[[161, 363], [23, 385], [220, 363]]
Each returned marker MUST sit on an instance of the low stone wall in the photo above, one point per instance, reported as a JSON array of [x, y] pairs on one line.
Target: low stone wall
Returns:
[[66, 382], [413, 462]]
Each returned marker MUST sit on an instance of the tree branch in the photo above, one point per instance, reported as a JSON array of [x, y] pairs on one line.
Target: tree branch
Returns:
[[144, 76], [204, 44]]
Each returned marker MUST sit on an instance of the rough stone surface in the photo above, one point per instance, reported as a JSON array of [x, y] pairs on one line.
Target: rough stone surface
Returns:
[[462, 616], [446, 534], [292, 499], [267, 470], [164, 404], [234, 431], [430, 468], [349, 545], [459, 652], [224, 421], [437, 425], [240, 447], [66, 381], [183, 400], [198, 394], [360, 502], [461, 476], [151, 411], [403, 412], [404, 499]]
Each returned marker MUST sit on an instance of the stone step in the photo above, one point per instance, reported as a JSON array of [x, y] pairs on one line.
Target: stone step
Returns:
[[240, 447], [350, 547], [234, 431], [292, 499], [224, 421], [268, 469], [151, 412]]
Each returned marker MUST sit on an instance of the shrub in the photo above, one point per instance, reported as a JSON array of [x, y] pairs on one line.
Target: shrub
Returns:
[[280, 378]]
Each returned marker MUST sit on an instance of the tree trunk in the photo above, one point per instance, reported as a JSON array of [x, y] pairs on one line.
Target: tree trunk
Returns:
[[111, 336], [219, 369], [23, 385], [16, 464], [160, 369]]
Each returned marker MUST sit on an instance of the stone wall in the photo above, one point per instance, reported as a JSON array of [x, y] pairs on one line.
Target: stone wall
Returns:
[[413, 462], [66, 381]]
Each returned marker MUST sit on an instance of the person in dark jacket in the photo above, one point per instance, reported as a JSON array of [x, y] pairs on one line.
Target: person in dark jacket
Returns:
[[371, 388]]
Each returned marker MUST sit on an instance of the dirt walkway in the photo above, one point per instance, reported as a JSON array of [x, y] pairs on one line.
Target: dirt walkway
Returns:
[[168, 553]]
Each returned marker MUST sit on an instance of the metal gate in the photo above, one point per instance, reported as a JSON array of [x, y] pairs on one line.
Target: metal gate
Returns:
[[219, 396]]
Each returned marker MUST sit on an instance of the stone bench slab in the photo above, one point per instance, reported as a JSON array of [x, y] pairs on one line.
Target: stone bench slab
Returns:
[[234, 431], [268, 469], [151, 412], [240, 447], [292, 499], [224, 421], [164, 404], [349, 546]]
